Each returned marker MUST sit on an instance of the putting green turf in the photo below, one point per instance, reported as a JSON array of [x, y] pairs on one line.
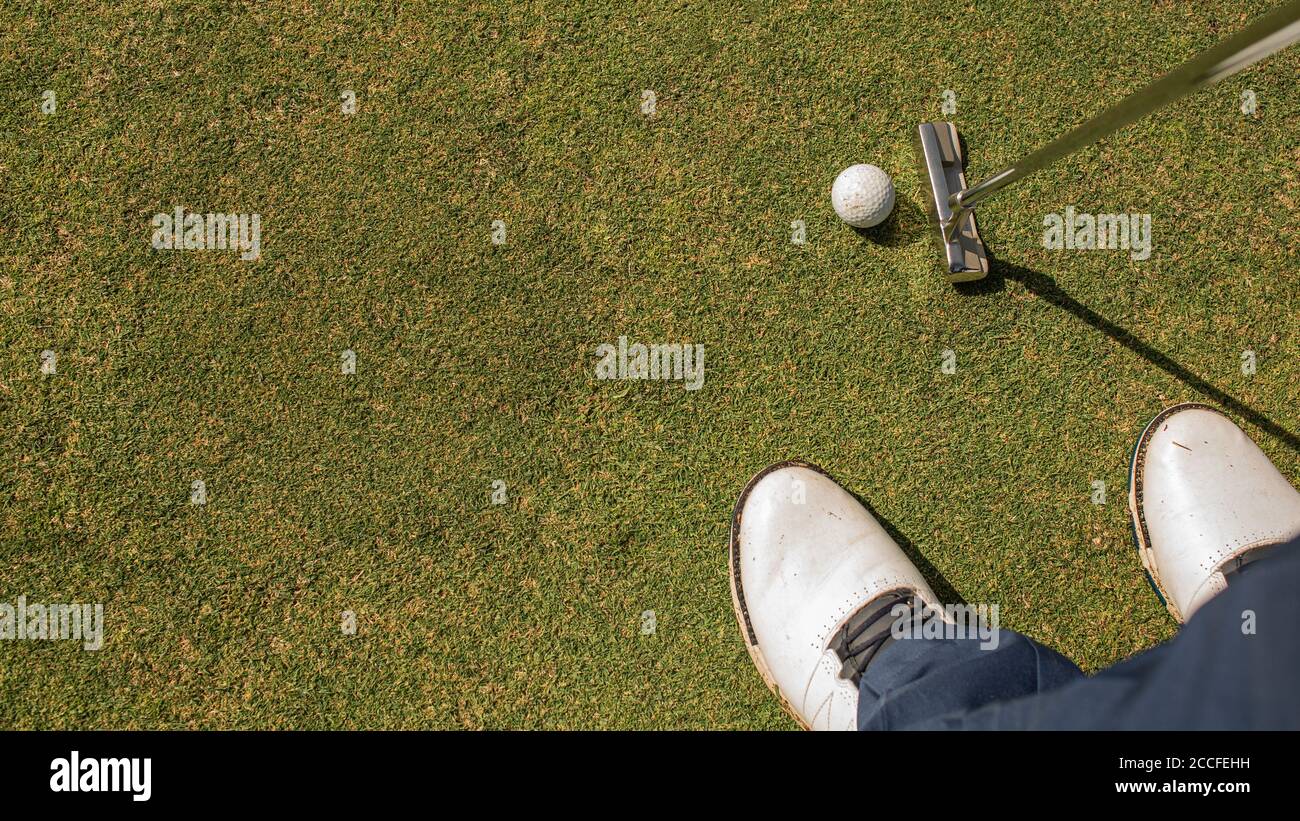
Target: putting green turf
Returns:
[[476, 362]]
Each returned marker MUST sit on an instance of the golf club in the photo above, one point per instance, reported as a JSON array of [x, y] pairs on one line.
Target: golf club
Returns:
[[939, 153]]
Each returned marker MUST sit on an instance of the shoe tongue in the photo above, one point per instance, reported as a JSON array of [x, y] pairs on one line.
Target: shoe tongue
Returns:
[[866, 632]]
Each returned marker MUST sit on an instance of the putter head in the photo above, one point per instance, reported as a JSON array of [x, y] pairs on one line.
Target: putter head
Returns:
[[938, 152]]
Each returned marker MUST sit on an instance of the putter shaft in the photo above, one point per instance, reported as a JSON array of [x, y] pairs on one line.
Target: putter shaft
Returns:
[[1270, 33]]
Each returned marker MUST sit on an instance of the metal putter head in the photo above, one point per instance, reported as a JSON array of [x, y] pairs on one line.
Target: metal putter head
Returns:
[[938, 149], [938, 152]]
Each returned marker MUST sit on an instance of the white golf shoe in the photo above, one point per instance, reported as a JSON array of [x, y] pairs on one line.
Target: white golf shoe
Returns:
[[806, 561], [1205, 501]]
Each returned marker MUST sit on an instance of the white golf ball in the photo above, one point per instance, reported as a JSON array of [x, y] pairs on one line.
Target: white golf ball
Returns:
[[863, 195]]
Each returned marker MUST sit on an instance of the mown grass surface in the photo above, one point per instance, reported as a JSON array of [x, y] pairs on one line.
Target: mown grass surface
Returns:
[[476, 362]]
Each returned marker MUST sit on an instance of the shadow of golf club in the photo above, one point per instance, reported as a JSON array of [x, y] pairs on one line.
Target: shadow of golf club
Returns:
[[1044, 287]]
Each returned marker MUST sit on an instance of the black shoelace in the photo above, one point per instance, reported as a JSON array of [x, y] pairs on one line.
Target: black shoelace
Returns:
[[867, 632]]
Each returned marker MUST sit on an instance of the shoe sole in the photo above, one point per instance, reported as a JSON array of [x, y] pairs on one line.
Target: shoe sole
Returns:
[[738, 594], [1141, 537]]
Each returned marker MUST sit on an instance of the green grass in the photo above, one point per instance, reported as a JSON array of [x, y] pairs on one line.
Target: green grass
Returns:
[[476, 362]]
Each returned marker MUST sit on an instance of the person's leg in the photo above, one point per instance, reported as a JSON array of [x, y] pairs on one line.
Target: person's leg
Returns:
[[917, 682], [1210, 513], [815, 580], [815, 583], [1236, 665]]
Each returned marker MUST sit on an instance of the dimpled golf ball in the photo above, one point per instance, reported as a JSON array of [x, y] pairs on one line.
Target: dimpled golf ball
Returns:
[[863, 195]]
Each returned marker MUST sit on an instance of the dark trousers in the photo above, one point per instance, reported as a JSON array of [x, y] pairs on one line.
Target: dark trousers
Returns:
[[1215, 674]]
